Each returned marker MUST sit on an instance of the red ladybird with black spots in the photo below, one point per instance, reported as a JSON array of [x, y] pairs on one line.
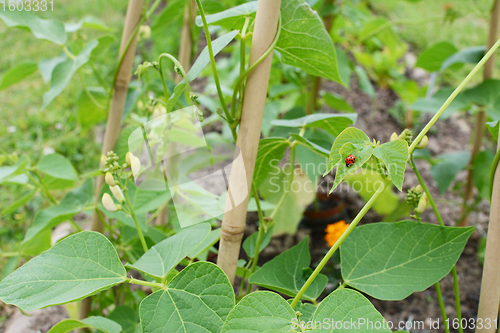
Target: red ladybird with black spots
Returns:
[[349, 160]]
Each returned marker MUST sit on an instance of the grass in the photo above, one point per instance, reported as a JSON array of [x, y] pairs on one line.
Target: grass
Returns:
[[25, 128]]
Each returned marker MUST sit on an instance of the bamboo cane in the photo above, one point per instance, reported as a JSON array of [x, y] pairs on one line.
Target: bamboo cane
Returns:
[[481, 115], [233, 223], [490, 285], [127, 51]]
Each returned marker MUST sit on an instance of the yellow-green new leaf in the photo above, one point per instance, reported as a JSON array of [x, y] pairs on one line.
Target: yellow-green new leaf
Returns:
[[78, 266], [362, 154], [394, 154], [350, 134]]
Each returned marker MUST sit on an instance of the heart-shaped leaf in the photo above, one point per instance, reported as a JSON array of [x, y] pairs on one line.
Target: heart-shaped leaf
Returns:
[[261, 311], [78, 266], [350, 308], [197, 300], [164, 256], [286, 273], [389, 261]]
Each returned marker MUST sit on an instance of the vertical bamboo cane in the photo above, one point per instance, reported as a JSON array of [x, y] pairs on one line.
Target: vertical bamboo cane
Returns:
[[490, 285], [233, 223], [481, 115], [132, 18]]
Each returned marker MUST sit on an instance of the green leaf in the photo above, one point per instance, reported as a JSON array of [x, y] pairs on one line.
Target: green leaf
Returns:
[[164, 256], [65, 70], [232, 18], [260, 311], [364, 81], [80, 265], [204, 58], [389, 261], [50, 30], [469, 55], [171, 15], [344, 65], [394, 155], [349, 307], [310, 145], [286, 273], [145, 201], [18, 203], [350, 134], [493, 127], [445, 171], [126, 317], [306, 309], [336, 102], [73, 203], [57, 166], [251, 242], [333, 123], [362, 153], [89, 113], [17, 73], [209, 241], [42, 242], [46, 67], [271, 151], [305, 43], [8, 173], [432, 58], [433, 104], [486, 94], [197, 300], [87, 22], [10, 266], [104, 324], [482, 168]]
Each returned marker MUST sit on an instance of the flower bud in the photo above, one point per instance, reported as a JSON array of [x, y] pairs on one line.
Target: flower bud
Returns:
[[419, 188], [423, 143], [108, 203], [109, 179], [159, 110], [145, 31], [140, 105], [422, 204], [117, 193], [394, 136], [127, 158], [103, 159], [135, 165]]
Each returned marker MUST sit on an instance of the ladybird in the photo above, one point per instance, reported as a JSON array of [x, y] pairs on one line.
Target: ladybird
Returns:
[[350, 160]]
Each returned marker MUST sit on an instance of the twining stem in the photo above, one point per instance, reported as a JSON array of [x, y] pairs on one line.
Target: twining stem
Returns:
[[137, 225], [262, 228], [441, 223], [441, 306], [335, 246], [241, 78], [431, 122], [212, 62]]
